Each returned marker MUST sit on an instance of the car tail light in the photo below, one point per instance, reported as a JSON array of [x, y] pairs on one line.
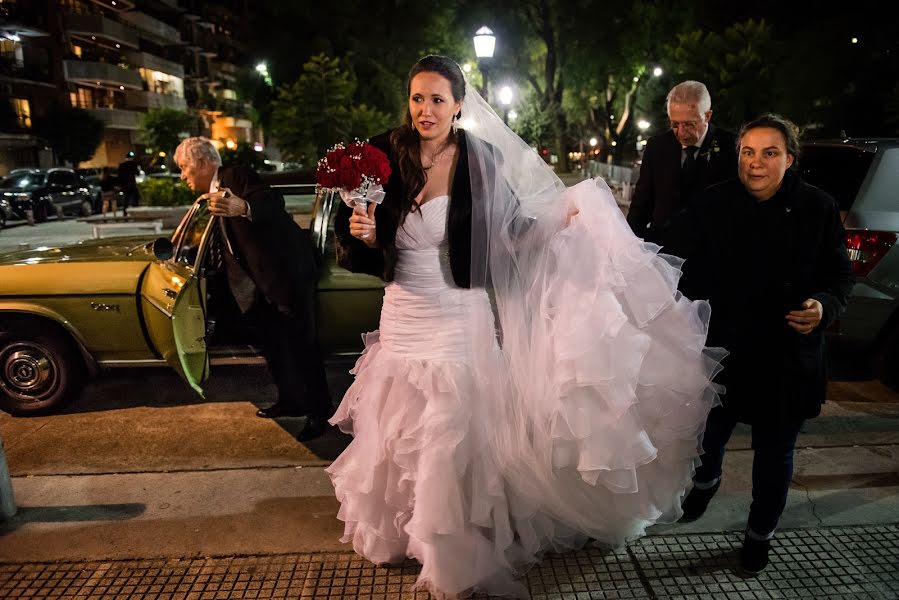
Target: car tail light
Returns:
[[866, 248]]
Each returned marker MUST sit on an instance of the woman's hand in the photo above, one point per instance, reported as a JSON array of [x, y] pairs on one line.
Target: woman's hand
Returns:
[[804, 321], [362, 225]]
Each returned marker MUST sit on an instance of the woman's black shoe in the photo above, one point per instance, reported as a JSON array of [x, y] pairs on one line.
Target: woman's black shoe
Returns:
[[697, 501], [754, 555], [314, 427]]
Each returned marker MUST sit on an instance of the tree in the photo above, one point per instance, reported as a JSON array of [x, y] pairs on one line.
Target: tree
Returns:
[[163, 128], [732, 64], [318, 110], [245, 155], [72, 133]]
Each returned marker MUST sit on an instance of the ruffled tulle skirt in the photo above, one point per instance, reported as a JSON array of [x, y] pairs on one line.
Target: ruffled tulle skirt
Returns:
[[476, 464]]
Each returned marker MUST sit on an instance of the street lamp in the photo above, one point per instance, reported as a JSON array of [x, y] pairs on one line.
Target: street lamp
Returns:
[[484, 45], [643, 124], [262, 69], [505, 98], [657, 72]]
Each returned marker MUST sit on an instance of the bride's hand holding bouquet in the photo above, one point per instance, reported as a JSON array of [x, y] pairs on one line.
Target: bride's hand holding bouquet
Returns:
[[357, 171]]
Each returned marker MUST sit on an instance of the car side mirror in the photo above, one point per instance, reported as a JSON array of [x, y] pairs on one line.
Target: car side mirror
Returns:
[[163, 248]]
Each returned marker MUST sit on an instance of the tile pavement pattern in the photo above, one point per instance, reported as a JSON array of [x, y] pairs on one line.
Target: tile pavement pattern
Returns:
[[846, 562]]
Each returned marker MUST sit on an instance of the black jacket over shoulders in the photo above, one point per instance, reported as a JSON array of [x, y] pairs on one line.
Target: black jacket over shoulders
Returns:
[[274, 251], [354, 255], [756, 261], [658, 193]]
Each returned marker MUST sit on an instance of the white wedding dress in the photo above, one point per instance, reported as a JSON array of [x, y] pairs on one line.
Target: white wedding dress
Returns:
[[437, 471]]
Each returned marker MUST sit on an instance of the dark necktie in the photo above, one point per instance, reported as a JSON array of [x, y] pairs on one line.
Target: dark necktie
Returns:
[[688, 173], [242, 287]]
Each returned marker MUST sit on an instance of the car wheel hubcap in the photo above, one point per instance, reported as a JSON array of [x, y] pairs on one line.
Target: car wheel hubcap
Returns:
[[28, 371]]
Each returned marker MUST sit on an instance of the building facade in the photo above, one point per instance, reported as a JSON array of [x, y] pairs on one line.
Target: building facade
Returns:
[[119, 59]]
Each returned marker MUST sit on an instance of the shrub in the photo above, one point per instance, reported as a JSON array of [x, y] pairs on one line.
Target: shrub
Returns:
[[165, 192]]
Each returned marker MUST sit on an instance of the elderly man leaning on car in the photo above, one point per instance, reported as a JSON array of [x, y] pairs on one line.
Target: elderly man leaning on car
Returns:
[[271, 273]]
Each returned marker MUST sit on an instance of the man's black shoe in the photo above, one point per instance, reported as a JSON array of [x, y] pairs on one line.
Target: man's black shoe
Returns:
[[277, 410], [697, 501], [754, 555], [314, 428]]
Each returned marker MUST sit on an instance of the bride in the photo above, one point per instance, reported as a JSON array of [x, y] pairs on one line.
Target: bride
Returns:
[[536, 381]]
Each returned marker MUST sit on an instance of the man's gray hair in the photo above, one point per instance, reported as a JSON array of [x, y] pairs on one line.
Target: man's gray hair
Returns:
[[690, 92], [196, 149]]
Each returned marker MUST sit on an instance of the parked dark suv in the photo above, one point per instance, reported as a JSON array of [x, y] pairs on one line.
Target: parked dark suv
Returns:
[[35, 195], [863, 176]]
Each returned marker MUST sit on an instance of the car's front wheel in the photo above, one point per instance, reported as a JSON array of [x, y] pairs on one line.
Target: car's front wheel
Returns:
[[40, 370]]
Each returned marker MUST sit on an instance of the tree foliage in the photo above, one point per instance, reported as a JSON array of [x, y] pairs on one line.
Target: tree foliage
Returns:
[[319, 110], [72, 133], [244, 154], [733, 64], [163, 128]]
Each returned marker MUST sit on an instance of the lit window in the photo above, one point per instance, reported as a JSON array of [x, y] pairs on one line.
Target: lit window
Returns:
[[23, 112], [76, 50]]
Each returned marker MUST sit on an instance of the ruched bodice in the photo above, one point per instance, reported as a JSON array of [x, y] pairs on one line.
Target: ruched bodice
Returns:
[[425, 315]]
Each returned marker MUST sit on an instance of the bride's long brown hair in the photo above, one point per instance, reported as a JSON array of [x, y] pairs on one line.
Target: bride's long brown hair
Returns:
[[405, 140]]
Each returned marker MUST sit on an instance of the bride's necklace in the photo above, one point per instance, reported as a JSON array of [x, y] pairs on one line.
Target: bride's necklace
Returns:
[[436, 156]]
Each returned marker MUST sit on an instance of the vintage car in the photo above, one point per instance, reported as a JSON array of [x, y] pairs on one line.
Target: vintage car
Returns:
[[67, 313]]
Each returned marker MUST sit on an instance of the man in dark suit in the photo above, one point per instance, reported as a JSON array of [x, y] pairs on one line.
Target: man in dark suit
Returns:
[[681, 162], [271, 273], [127, 176]]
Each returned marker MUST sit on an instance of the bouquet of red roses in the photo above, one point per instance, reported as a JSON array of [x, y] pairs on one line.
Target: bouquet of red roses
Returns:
[[357, 170]]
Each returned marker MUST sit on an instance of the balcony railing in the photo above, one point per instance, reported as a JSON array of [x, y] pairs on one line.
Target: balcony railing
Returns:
[[98, 25], [148, 100], [155, 63], [114, 118], [83, 71], [17, 70], [151, 27]]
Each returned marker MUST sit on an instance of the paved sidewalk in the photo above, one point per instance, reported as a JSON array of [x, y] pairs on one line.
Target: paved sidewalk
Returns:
[[844, 562]]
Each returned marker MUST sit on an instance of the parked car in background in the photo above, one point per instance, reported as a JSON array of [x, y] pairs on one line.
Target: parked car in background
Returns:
[[36, 194], [92, 178], [863, 177], [68, 312]]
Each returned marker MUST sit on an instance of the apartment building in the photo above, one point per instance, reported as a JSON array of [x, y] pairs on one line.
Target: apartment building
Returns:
[[119, 59]]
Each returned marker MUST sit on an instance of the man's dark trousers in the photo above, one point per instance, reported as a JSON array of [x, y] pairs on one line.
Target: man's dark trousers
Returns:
[[294, 357]]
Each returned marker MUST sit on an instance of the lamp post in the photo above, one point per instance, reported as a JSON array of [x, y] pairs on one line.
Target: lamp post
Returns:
[[262, 69], [484, 45], [505, 98]]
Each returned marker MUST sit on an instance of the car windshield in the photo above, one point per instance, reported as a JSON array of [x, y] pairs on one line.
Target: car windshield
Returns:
[[22, 181], [838, 170]]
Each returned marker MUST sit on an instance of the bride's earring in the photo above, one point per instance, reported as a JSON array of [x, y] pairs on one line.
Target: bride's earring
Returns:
[[456, 122]]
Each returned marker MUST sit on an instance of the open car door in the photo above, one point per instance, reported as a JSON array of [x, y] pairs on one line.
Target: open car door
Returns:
[[173, 299]]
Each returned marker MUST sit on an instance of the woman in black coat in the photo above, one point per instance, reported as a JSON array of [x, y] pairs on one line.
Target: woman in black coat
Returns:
[[767, 250]]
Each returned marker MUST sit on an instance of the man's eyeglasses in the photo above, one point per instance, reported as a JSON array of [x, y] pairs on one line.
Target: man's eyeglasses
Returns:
[[686, 125]]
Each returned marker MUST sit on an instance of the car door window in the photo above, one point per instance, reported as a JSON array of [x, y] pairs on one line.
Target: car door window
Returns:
[[55, 178], [191, 238]]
